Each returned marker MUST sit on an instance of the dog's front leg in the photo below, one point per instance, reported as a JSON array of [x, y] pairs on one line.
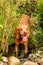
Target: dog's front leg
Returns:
[[16, 48], [26, 48]]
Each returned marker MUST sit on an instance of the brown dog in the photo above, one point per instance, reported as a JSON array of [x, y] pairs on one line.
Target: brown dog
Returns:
[[22, 33]]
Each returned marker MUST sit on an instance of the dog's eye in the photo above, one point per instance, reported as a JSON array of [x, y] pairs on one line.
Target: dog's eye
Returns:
[[21, 29], [26, 29], [18, 29]]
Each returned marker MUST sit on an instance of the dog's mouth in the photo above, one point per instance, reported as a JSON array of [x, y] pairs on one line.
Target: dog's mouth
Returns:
[[24, 38], [23, 35]]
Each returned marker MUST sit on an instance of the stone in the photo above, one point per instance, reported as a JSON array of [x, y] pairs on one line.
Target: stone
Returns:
[[39, 54], [5, 63], [13, 61], [32, 57], [1, 63], [42, 59], [39, 61], [30, 63], [4, 59]]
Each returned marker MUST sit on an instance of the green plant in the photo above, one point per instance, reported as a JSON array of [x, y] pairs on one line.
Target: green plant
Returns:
[[1, 57]]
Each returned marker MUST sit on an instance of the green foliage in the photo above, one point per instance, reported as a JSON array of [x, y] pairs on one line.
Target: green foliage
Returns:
[[11, 12], [40, 20], [37, 29], [1, 57], [36, 34], [41, 13]]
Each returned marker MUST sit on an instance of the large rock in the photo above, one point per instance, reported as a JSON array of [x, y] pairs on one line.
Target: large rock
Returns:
[[5, 64], [1, 63], [30, 63], [39, 61], [4, 59], [32, 57], [13, 61]]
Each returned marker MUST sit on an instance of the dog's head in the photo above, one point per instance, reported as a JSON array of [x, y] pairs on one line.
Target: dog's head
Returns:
[[24, 26], [23, 29]]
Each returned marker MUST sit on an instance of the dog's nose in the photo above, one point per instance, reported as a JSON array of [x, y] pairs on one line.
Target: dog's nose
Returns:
[[25, 31]]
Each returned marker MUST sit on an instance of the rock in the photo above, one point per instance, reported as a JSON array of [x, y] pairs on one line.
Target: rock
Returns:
[[39, 54], [39, 61], [42, 59], [31, 57], [1, 63], [5, 63], [13, 61], [30, 63], [4, 59]]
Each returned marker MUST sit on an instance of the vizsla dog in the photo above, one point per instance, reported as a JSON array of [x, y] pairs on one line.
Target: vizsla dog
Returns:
[[22, 33]]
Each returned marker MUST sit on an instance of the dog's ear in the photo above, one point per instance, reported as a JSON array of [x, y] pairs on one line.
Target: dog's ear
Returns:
[[28, 32], [16, 34]]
